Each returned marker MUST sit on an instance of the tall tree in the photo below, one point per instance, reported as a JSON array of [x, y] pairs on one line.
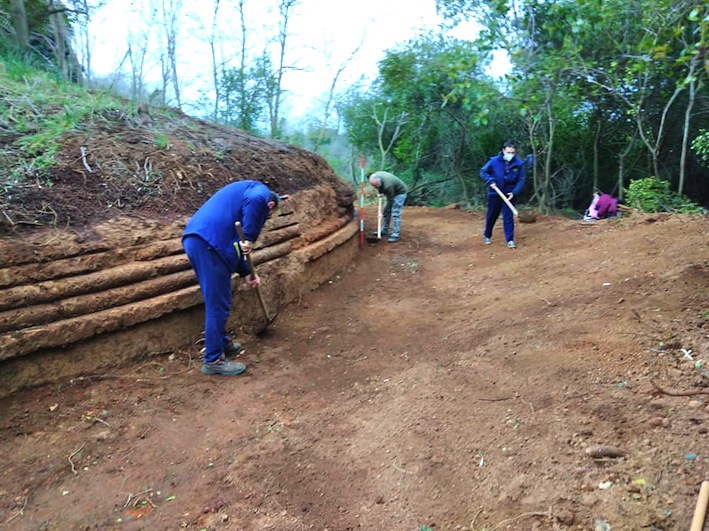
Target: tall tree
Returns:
[[275, 86], [169, 12], [84, 11], [20, 24]]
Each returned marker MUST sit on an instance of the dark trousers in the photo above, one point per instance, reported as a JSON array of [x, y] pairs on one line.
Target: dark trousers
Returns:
[[495, 204], [214, 279]]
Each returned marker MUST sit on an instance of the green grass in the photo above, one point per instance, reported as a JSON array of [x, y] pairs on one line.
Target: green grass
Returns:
[[41, 110]]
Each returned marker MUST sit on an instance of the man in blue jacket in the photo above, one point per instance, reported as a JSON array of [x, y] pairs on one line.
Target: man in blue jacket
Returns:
[[506, 171], [215, 252]]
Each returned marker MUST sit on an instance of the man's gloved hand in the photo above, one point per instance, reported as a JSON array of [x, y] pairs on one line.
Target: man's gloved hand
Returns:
[[252, 280]]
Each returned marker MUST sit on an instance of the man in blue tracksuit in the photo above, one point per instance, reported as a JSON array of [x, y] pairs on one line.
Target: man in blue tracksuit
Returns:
[[506, 171], [215, 252]]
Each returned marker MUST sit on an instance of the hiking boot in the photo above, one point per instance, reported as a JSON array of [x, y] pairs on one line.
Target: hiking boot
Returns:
[[511, 244], [233, 348], [393, 239], [486, 240], [224, 367]]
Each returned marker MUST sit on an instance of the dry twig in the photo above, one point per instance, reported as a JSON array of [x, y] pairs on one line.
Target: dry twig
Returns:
[[523, 515], [137, 497], [73, 469], [664, 391], [21, 512], [83, 159]]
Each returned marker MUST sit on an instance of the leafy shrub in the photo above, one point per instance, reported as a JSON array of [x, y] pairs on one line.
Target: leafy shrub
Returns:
[[653, 195], [700, 145]]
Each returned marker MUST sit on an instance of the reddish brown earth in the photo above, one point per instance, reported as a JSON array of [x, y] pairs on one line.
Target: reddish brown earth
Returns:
[[435, 383]]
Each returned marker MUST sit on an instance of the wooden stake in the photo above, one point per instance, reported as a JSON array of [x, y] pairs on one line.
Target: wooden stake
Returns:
[[700, 512]]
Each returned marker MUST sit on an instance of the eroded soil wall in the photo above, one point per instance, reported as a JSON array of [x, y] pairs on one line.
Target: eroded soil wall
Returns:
[[74, 304]]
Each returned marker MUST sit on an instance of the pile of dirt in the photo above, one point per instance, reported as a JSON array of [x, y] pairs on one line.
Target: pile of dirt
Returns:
[[158, 165], [436, 383]]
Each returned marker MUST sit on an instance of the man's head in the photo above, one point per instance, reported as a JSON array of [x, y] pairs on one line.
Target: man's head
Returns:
[[375, 181], [508, 150], [273, 200]]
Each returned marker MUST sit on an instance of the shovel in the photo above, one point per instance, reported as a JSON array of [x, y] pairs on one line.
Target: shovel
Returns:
[[374, 238], [262, 303]]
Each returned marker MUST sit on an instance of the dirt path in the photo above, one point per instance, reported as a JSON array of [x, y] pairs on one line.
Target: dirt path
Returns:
[[437, 383]]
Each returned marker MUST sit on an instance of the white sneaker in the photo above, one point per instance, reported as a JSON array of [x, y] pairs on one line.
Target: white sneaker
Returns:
[[486, 240], [511, 244]]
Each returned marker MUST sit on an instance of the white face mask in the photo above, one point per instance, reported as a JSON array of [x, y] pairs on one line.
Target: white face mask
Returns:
[[508, 156]]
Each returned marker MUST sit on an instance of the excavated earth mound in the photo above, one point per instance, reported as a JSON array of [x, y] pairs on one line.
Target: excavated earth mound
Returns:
[[91, 257]]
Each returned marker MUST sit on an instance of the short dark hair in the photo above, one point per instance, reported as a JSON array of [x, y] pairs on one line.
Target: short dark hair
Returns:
[[273, 197], [509, 143]]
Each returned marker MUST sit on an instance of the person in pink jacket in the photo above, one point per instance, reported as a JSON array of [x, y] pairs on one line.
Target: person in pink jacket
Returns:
[[603, 206], [606, 207]]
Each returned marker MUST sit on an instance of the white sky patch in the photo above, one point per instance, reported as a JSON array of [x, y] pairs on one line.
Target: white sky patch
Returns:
[[323, 34]]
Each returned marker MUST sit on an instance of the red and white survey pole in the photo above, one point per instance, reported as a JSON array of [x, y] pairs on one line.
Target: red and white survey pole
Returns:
[[361, 202]]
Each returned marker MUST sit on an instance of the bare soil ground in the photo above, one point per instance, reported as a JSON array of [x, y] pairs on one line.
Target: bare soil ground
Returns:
[[436, 383]]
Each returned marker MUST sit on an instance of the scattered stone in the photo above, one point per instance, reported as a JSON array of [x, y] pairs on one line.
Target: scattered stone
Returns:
[[655, 422], [604, 451], [565, 517], [658, 403], [215, 520]]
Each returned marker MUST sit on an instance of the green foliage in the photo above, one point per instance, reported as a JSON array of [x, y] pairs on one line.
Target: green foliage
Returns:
[[436, 115], [700, 145], [245, 94], [162, 141], [653, 195], [40, 112]]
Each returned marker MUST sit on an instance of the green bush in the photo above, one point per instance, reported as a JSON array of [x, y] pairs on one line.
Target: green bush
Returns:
[[700, 145], [653, 195]]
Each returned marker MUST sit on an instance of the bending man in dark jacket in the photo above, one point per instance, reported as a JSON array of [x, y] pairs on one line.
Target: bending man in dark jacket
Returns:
[[506, 171], [395, 191], [215, 252]]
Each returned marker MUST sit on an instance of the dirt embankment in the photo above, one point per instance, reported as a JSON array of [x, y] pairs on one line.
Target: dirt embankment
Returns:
[[94, 249]]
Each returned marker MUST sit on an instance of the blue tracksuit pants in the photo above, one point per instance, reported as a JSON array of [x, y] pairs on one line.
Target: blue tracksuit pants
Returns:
[[392, 215], [495, 204], [214, 279]]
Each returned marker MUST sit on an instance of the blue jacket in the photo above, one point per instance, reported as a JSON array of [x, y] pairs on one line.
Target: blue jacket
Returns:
[[244, 201], [508, 176]]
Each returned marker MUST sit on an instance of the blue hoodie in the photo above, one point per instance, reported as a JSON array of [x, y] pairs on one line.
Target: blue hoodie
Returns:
[[214, 222], [508, 176]]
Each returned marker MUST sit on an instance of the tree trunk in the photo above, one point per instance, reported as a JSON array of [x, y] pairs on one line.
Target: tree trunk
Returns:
[[621, 166], [545, 198], [215, 66], [20, 24], [687, 119], [596, 140], [285, 9]]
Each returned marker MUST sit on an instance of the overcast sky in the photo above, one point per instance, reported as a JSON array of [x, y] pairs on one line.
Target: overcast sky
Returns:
[[323, 34]]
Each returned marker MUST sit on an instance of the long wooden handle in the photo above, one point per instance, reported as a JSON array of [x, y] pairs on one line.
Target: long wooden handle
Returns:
[[504, 198], [380, 216], [700, 513], [262, 303]]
